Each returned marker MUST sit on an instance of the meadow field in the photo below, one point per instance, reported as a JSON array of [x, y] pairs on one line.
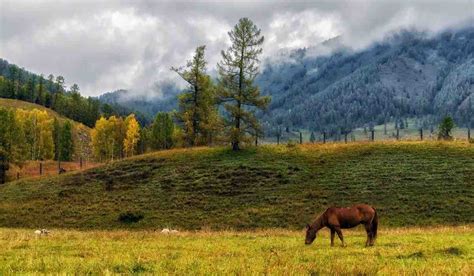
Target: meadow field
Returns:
[[244, 213], [398, 251]]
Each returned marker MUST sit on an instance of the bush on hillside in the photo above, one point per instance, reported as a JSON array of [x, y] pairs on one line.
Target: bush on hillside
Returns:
[[130, 217]]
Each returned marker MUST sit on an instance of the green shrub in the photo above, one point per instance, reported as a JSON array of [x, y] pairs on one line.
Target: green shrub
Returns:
[[130, 217]]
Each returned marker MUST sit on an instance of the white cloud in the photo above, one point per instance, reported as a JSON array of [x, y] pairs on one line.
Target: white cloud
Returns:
[[109, 45]]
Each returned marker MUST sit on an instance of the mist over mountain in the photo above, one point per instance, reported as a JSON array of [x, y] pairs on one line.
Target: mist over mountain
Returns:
[[148, 104], [329, 87], [410, 74]]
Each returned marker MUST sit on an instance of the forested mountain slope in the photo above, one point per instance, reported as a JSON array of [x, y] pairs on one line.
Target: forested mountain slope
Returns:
[[147, 105], [408, 75], [50, 92]]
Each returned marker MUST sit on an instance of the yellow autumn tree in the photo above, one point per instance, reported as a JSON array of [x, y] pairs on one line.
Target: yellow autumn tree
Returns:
[[132, 135], [37, 131], [99, 139], [45, 131], [118, 130], [107, 138]]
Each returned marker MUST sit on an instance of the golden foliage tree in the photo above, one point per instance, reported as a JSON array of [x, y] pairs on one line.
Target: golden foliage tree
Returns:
[[108, 138], [132, 135]]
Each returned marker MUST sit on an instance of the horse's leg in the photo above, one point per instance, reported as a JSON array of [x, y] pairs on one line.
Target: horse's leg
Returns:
[[369, 234], [339, 233], [333, 233]]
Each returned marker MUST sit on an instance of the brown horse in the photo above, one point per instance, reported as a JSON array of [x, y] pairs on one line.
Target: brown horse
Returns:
[[342, 218]]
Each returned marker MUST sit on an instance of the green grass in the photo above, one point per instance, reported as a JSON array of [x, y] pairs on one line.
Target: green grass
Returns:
[[434, 251], [410, 184]]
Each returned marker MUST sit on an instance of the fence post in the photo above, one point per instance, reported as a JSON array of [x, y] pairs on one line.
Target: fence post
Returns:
[[256, 140], [372, 134], [80, 162], [468, 133], [301, 138], [421, 134], [41, 168], [345, 137], [398, 134], [324, 137]]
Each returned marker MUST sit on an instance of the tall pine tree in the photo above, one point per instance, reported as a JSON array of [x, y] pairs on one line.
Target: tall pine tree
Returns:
[[237, 72]]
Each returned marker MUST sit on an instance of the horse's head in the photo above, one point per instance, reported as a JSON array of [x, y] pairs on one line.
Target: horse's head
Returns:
[[310, 234]]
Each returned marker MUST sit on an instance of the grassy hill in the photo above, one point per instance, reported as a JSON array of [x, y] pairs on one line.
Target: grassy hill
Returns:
[[410, 183]]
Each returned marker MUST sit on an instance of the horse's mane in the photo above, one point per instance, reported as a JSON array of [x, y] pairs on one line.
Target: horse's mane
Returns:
[[318, 222]]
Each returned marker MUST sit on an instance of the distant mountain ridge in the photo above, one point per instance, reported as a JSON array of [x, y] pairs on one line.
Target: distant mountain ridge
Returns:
[[146, 105], [408, 75], [329, 87]]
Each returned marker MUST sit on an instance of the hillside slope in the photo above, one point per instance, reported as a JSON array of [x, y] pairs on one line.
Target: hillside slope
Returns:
[[409, 183], [81, 132], [10, 103]]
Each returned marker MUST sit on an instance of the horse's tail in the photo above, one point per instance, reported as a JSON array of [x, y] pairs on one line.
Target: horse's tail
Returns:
[[375, 223]]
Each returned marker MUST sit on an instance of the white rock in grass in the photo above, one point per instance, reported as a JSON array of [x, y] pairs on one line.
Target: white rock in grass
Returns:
[[42, 232], [165, 231]]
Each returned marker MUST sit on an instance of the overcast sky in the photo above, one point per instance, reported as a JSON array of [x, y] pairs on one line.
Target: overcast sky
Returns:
[[108, 45]]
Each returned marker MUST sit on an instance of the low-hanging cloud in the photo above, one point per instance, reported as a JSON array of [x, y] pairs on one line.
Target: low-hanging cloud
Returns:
[[109, 45]]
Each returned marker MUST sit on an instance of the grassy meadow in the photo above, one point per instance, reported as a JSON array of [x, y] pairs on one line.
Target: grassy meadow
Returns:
[[398, 251]]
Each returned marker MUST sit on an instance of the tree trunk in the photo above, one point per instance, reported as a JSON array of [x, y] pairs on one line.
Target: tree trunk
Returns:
[[235, 143], [235, 146], [195, 119]]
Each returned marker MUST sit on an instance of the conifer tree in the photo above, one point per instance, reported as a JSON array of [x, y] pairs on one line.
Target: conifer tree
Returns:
[[40, 97], [197, 107], [66, 142], [237, 71], [445, 128], [161, 136]]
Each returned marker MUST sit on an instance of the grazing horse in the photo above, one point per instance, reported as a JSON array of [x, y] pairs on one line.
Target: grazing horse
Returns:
[[342, 218]]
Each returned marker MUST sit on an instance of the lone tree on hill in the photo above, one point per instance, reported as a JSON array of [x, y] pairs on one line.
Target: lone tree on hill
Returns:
[[237, 72], [445, 128]]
